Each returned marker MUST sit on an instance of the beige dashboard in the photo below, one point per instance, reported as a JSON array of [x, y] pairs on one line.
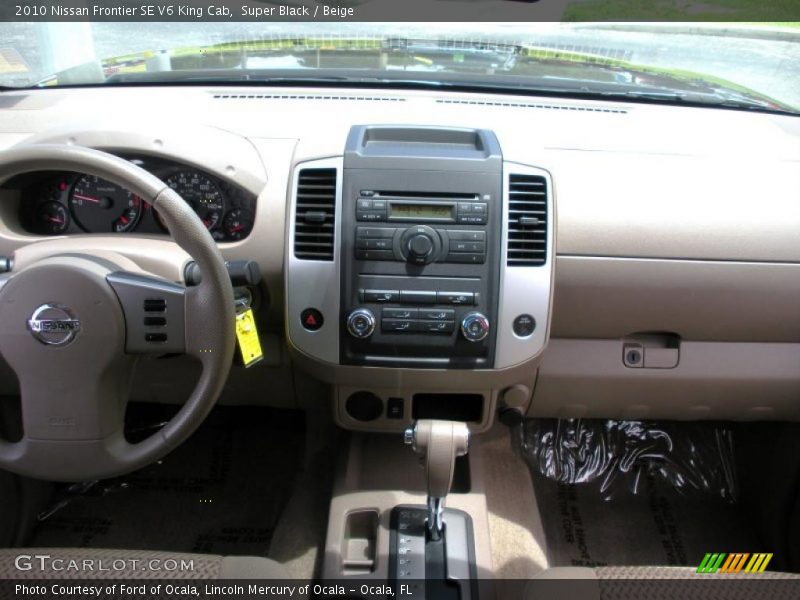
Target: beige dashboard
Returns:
[[677, 230]]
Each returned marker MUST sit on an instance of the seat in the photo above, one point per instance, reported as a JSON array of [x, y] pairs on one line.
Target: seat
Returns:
[[657, 583], [82, 563]]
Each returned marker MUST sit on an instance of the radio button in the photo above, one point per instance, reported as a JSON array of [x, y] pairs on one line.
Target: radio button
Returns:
[[399, 313], [436, 326], [374, 254], [379, 205], [397, 325], [462, 234], [363, 215], [456, 297], [471, 219], [432, 314], [381, 296], [480, 208], [374, 244], [364, 204], [465, 246], [463, 257], [375, 232], [417, 297]]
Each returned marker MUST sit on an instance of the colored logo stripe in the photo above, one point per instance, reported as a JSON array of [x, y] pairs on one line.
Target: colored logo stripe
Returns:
[[734, 563], [711, 562], [758, 563], [722, 562]]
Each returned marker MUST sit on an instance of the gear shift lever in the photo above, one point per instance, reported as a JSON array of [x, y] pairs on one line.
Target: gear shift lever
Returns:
[[440, 442]]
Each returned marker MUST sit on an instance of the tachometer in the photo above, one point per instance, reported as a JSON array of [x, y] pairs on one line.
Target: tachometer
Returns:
[[98, 205], [201, 193]]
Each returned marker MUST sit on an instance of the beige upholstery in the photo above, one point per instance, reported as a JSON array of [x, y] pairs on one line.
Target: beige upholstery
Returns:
[[644, 582], [82, 563]]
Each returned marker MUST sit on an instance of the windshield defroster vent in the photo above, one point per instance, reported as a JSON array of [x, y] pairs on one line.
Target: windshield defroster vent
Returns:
[[338, 97], [527, 221], [315, 214]]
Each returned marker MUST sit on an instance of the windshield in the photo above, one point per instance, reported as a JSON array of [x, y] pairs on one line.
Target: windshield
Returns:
[[742, 65]]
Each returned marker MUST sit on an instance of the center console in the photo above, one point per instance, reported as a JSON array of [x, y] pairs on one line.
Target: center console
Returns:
[[419, 277], [419, 273], [420, 248]]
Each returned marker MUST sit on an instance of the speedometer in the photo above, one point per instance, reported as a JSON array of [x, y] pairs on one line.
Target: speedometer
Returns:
[[201, 193]]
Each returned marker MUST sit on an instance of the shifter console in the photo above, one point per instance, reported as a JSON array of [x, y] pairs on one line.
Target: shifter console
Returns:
[[435, 544]]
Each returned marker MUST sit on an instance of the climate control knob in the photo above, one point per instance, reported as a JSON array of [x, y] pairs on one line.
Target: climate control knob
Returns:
[[361, 323], [475, 327]]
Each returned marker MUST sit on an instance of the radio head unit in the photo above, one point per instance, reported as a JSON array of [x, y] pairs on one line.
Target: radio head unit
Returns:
[[421, 207]]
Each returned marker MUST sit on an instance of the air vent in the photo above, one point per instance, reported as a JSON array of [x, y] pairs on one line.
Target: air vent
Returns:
[[315, 97], [315, 214], [527, 221], [540, 106]]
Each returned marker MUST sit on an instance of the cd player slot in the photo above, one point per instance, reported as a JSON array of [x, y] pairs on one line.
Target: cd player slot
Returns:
[[410, 195]]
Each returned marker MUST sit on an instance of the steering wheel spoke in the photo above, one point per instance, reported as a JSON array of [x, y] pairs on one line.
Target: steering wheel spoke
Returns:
[[155, 313]]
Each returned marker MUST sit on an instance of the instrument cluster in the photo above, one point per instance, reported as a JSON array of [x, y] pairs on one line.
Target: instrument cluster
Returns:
[[63, 203]]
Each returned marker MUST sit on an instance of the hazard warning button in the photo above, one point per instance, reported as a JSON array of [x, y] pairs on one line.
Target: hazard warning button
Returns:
[[311, 319]]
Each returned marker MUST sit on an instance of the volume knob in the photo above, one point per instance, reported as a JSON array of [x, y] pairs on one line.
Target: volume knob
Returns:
[[361, 323], [475, 326], [420, 244]]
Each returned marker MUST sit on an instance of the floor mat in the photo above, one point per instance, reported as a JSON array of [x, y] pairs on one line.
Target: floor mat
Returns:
[[221, 492], [655, 527], [635, 492]]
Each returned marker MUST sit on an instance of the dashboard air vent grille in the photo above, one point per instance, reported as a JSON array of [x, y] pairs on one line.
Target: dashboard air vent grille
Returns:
[[541, 106], [527, 220], [315, 214], [339, 97]]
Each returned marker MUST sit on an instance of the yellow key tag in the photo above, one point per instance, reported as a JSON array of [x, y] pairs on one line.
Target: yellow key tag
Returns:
[[247, 336]]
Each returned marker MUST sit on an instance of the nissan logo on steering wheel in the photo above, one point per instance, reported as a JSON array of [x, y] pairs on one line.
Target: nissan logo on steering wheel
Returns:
[[54, 324]]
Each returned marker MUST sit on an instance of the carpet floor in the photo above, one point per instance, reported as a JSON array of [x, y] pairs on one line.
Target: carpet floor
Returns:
[[221, 492]]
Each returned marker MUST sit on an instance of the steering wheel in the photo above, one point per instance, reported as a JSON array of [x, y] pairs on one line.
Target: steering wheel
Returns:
[[72, 326]]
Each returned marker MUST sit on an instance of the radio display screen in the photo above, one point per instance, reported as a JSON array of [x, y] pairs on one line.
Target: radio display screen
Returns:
[[421, 211]]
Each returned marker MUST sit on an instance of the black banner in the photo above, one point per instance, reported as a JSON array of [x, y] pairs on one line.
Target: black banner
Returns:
[[700, 587], [398, 10]]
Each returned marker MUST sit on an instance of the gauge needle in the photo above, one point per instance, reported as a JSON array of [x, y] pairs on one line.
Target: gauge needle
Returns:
[[235, 229], [55, 220], [87, 198]]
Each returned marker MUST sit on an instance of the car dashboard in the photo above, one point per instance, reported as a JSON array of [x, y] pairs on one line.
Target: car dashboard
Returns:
[[449, 255]]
